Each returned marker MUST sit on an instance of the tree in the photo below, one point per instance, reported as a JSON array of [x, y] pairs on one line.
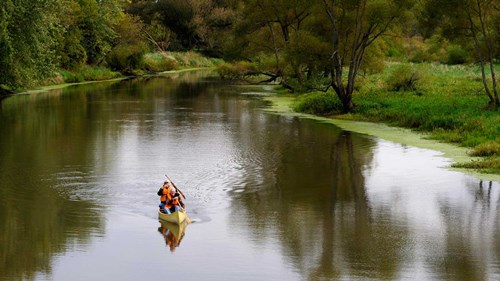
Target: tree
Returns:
[[354, 26], [129, 46], [272, 27], [472, 22], [97, 23], [26, 42]]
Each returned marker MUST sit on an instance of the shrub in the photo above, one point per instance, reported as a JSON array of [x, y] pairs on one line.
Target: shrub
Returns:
[[126, 58], [73, 54], [319, 103], [88, 73], [404, 78], [486, 149], [157, 62], [419, 56], [235, 70], [488, 165], [456, 55]]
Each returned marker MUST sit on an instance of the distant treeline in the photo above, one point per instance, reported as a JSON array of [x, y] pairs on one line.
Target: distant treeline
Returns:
[[303, 44]]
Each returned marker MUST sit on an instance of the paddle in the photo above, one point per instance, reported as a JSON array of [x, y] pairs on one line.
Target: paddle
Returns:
[[188, 220], [176, 188]]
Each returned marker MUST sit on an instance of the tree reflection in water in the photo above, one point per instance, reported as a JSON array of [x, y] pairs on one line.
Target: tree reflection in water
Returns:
[[463, 246], [40, 214], [317, 208]]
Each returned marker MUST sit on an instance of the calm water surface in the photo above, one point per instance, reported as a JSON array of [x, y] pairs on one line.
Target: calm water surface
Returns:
[[272, 197]]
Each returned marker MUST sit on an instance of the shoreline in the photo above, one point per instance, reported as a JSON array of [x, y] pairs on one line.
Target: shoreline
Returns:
[[281, 105], [64, 85]]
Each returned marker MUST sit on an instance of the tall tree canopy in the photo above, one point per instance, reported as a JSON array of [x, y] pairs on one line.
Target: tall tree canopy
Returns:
[[27, 42]]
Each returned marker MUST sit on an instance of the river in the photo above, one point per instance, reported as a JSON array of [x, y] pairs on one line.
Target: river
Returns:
[[272, 197]]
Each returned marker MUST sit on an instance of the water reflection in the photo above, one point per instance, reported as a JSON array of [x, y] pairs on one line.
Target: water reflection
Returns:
[[317, 208], [60, 166], [38, 221], [285, 198], [471, 236], [172, 233]]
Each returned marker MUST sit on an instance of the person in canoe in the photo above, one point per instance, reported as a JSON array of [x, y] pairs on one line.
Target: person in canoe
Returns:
[[170, 200]]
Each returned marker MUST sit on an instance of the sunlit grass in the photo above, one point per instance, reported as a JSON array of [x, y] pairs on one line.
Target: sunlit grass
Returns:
[[450, 104], [88, 73]]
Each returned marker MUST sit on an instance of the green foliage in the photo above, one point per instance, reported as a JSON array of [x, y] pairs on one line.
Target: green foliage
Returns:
[[319, 103], [157, 62], [452, 107], [26, 42], [236, 70], [488, 165], [178, 16], [87, 73], [126, 58], [191, 59], [72, 54], [432, 49], [486, 149], [404, 78], [456, 55], [374, 61], [97, 22]]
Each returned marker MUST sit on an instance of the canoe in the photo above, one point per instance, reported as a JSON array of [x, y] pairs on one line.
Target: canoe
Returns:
[[176, 217]]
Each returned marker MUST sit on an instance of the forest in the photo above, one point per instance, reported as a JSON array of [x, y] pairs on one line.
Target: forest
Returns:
[[340, 52]]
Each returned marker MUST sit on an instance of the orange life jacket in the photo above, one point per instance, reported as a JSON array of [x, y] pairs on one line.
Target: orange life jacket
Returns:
[[171, 202], [164, 193]]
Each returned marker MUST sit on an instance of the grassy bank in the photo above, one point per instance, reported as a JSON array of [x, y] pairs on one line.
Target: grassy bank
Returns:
[[447, 102]]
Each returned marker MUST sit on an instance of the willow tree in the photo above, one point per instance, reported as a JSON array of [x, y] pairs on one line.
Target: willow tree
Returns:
[[354, 26]]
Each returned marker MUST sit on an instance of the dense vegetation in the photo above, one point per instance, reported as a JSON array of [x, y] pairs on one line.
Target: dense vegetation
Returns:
[[379, 59]]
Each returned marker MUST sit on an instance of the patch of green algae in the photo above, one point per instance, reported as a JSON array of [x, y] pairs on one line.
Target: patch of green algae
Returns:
[[282, 105]]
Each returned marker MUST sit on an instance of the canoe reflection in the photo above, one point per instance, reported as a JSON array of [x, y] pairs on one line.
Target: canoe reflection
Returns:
[[172, 233]]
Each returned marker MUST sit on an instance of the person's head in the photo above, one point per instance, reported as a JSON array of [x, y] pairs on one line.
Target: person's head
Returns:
[[172, 191]]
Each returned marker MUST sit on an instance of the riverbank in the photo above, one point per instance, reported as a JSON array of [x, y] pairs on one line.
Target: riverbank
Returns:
[[153, 64], [447, 103], [283, 105]]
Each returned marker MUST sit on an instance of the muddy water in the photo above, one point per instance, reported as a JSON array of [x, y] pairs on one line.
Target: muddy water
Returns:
[[272, 197]]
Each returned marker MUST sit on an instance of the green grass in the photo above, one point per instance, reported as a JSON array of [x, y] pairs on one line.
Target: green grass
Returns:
[[318, 103], [88, 73], [449, 103], [192, 59]]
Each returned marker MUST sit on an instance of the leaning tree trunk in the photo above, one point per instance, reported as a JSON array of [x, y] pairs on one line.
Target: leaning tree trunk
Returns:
[[345, 96]]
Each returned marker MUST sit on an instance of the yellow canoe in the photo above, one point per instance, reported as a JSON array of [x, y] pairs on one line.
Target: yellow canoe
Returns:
[[176, 217]]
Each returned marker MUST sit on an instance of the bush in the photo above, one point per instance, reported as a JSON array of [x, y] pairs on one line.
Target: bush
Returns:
[[456, 55], [486, 149], [235, 70], [404, 78], [126, 58], [88, 73], [157, 62], [488, 165], [319, 103]]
